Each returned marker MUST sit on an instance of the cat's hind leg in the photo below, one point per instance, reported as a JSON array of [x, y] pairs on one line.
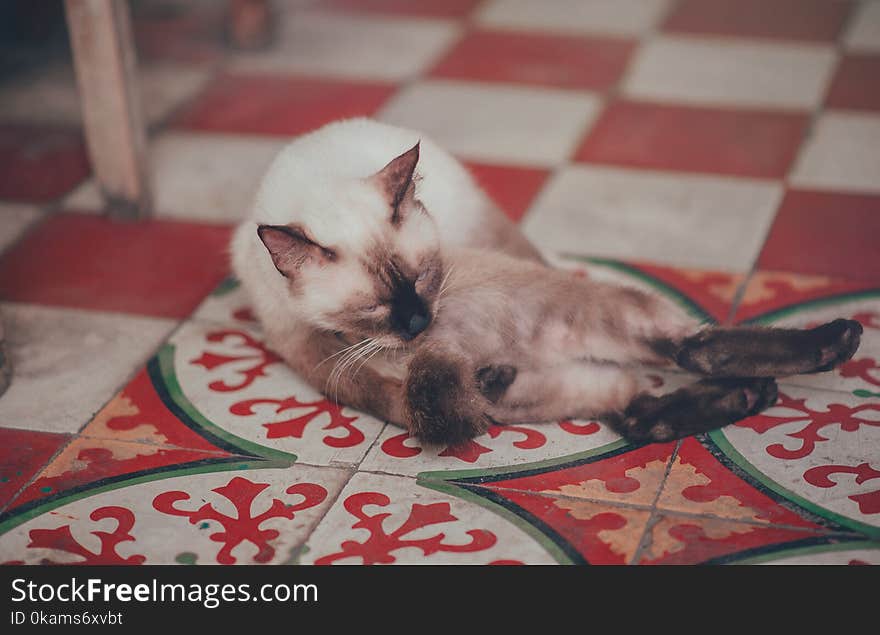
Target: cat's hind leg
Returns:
[[700, 407], [752, 351]]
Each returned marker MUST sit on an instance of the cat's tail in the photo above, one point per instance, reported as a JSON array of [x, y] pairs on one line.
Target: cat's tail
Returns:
[[443, 402]]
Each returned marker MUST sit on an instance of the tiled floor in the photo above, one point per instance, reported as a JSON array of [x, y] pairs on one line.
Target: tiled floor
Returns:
[[725, 153]]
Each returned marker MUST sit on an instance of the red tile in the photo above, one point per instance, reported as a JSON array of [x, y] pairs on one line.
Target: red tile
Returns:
[[512, 188], [543, 60], [280, 105], [825, 233], [856, 83], [40, 163], [421, 8], [813, 20], [154, 267], [695, 139], [23, 453]]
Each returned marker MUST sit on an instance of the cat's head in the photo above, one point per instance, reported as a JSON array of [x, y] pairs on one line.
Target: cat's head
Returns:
[[366, 260]]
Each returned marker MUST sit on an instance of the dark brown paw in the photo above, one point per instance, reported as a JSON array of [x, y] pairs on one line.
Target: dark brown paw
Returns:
[[440, 408], [838, 341], [493, 381], [706, 405]]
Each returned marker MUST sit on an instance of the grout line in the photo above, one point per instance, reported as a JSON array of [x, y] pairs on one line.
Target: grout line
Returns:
[[654, 518]]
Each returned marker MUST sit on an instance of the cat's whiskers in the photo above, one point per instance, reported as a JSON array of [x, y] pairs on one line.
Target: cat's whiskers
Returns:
[[351, 354], [339, 352], [443, 286]]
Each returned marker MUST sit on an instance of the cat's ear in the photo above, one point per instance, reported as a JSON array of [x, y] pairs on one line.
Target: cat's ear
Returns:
[[290, 248], [395, 180]]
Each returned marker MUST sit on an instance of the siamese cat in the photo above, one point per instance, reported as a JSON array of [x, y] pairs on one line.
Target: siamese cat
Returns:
[[387, 279]]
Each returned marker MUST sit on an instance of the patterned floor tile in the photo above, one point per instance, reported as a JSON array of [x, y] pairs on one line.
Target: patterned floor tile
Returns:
[[817, 449], [863, 33], [40, 162], [14, 221], [693, 139], [678, 540], [396, 452], [611, 17], [699, 484], [421, 8], [366, 47], [279, 105], [381, 519], [669, 218], [202, 177], [593, 507], [730, 72], [23, 453], [843, 153], [229, 385], [494, 123], [68, 363], [859, 376], [536, 59], [67, 258], [811, 20], [512, 188], [50, 95], [853, 553], [257, 516], [825, 234], [853, 86]]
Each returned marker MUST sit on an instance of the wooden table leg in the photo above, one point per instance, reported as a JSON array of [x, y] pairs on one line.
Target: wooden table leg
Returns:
[[104, 59]]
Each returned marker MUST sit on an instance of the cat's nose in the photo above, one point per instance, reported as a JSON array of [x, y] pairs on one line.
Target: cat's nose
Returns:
[[418, 322]]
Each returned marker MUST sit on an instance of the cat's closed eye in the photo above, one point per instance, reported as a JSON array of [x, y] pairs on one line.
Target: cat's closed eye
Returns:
[[422, 275], [370, 308]]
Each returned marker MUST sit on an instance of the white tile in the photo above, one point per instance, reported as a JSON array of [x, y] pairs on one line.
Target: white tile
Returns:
[[192, 515], [730, 71], [609, 17], [863, 33], [356, 46], [196, 176], [504, 124], [14, 220], [227, 375], [843, 153], [50, 96], [684, 220], [381, 519], [67, 362]]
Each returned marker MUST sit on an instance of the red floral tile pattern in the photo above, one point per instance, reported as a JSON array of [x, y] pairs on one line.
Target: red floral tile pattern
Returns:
[[825, 233], [279, 105], [681, 540], [156, 268], [22, 454], [855, 83], [812, 20], [769, 291], [695, 139], [542, 60], [40, 163]]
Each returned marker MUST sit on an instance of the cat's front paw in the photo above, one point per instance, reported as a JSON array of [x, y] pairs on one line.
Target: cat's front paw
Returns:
[[440, 408]]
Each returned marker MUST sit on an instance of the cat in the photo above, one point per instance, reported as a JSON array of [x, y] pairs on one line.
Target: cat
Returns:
[[386, 278]]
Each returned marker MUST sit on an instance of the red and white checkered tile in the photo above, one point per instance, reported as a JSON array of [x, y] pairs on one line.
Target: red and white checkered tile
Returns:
[[722, 152]]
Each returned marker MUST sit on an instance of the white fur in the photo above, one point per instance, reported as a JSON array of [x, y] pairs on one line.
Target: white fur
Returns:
[[319, 182]]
